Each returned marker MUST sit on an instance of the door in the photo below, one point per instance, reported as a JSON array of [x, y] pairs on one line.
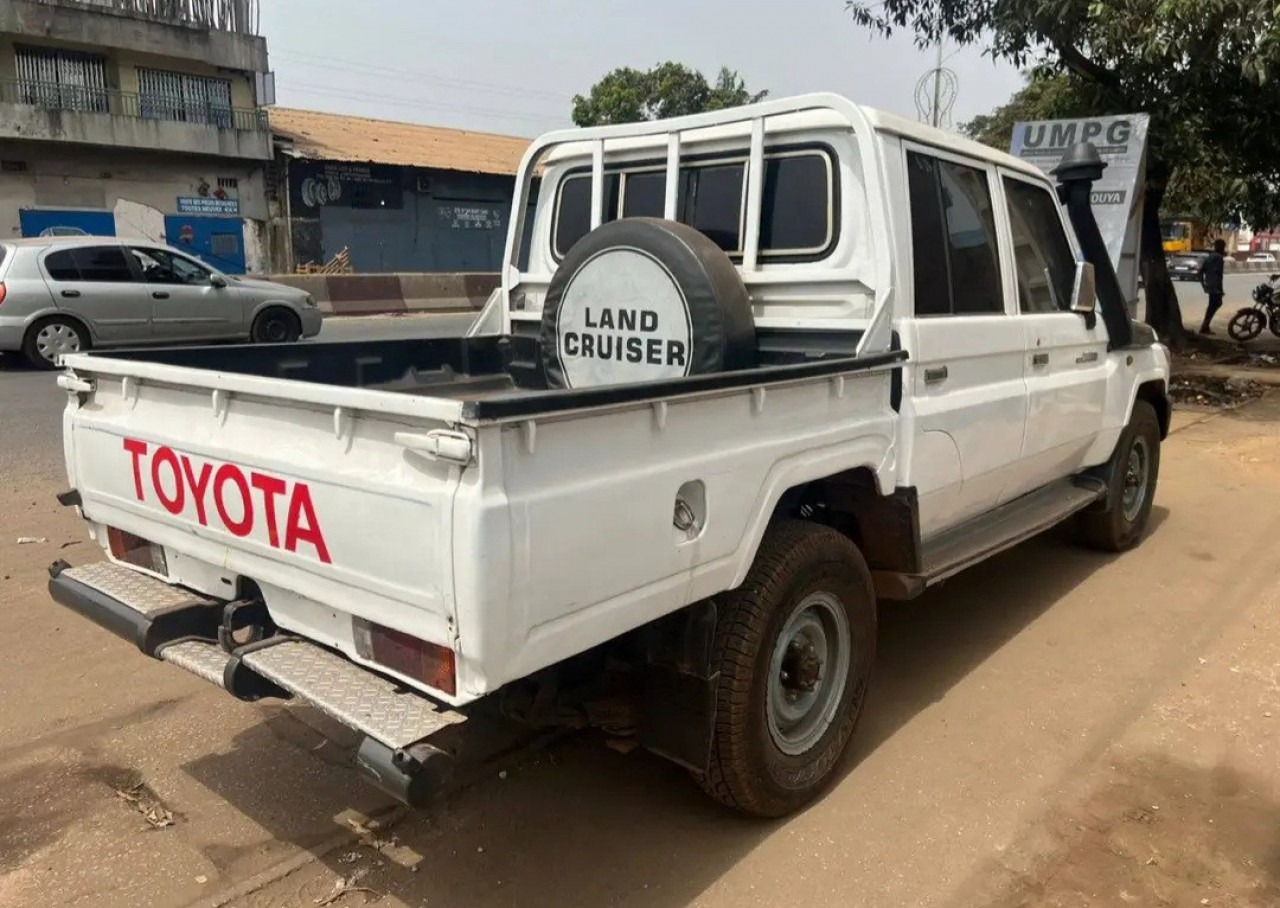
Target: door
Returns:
[[218, 242], [98, 284], [968, 395], [1066, 356], [65, 222], [185, 302]]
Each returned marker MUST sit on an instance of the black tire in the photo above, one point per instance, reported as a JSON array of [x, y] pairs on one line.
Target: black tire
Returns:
[[68, 334], [701, 320], [276, 326], [1121, 525], [1246, 324], [749, 770], [1274, 322]]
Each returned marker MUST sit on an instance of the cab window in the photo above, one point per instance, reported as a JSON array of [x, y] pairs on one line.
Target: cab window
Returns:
[[1046, 265], [797, 208], [954, 241]]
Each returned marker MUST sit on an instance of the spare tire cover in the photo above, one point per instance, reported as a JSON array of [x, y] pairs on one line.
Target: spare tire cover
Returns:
[[642, 299]]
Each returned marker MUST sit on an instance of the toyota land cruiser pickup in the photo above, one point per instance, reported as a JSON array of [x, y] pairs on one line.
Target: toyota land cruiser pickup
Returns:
[[749, 374]]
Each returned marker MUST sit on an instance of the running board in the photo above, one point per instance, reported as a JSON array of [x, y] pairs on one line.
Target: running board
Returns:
[[990, 534]]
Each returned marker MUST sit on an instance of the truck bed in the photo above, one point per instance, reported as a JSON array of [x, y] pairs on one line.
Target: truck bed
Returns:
[[496, 377]]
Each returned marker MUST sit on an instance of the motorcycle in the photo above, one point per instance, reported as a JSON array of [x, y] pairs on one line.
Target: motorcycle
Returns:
[[1264, 313]]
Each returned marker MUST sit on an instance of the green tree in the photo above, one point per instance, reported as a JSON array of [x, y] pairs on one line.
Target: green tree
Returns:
[[1203, 71], [667, 90]]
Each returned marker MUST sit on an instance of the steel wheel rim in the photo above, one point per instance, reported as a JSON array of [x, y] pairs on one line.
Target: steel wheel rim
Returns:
[[276, 330], [1137, 476], [57, 340], [808, 670]]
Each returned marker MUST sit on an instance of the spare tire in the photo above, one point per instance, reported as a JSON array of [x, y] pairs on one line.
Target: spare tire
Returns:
[[642, 299]]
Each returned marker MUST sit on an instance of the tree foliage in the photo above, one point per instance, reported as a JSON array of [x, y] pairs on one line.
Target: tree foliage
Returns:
[[629, 95], [1204, 71]]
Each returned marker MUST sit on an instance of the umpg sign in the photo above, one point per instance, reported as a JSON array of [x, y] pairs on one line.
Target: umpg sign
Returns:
[[1065, 133]]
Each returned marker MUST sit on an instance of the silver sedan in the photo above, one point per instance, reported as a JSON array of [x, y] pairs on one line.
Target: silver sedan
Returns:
[[61, 295]]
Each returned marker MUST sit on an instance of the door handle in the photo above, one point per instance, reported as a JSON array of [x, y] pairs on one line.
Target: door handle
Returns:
[[1083, 358], [160, 295], [935, 376], [70, 294], [1040, 359]]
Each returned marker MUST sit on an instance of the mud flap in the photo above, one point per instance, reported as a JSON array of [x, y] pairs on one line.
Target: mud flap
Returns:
[[678, 697]]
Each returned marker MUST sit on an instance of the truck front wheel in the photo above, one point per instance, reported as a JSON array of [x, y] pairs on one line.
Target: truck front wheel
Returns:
[[1136, 468], [794, 647]]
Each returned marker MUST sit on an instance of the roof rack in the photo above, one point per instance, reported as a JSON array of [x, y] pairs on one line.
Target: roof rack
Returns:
[[878, 336]]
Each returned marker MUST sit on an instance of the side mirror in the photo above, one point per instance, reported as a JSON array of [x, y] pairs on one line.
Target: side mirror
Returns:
[[218, 281], [1084, 293]]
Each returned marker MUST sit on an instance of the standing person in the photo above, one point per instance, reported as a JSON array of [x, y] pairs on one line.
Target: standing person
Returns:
[[1211, 273]]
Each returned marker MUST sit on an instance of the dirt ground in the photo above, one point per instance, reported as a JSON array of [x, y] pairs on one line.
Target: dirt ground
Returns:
[[1053, 728]]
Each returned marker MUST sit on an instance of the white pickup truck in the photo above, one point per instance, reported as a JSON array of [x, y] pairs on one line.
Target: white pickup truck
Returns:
[[748, 374]]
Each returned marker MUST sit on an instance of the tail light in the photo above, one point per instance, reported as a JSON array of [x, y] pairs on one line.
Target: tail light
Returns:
[[130, 549], [2, 291], [433, 665]]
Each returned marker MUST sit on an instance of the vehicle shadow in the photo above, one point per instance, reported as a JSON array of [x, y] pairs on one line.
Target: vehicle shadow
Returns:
[[582, 825]]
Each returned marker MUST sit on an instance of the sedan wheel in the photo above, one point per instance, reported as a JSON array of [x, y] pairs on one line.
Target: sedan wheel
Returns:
[[51, 340]]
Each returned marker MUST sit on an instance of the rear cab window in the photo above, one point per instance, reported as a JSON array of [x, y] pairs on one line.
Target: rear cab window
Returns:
[[798, 220]]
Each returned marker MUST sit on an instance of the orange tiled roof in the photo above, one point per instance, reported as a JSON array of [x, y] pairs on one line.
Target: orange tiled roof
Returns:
[[336, 137]]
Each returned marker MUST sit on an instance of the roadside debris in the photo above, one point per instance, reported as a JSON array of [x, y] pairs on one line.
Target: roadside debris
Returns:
[[346, 885], [32, 540], [147, 803], [1211, 391]]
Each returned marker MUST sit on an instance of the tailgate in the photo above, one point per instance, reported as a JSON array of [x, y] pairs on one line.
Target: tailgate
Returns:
[[333, 501]]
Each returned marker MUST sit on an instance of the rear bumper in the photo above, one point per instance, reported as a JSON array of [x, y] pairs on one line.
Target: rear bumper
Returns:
[[12, 331], [400, 753]]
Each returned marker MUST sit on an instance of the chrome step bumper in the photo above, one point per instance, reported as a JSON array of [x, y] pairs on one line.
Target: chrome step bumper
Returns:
[[181, 627]]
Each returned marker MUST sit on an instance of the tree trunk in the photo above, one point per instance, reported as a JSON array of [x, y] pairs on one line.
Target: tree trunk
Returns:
[[1164, 314]]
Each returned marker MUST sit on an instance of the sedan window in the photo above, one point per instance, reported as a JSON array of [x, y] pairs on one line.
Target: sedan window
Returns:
[[159, 266]]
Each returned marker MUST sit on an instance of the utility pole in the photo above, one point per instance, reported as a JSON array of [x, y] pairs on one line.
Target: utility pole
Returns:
[[936, 91], [937, 85]]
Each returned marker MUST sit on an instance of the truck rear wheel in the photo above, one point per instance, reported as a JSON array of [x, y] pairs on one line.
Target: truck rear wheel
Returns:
[[794, 647], [1133, 486]]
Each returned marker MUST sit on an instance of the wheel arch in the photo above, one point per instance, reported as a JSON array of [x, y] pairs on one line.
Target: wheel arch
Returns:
[[1155, 392], [865, 463], [265, 305], [45, 315]]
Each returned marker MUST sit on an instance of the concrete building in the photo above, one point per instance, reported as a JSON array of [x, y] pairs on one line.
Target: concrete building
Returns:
[[139, 118], [398, 197]]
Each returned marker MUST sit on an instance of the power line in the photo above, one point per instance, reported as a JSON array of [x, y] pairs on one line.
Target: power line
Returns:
[[388, 72], [425, 105]]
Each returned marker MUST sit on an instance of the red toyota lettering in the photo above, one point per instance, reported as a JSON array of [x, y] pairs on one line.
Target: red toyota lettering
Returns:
[[230, 474], [299, 508], [270, 487], [175, 503], [138, 449], [238, 500], [199, 485]]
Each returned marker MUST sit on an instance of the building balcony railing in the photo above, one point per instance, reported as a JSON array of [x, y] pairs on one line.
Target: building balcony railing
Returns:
[[240, 16], [86, 99]]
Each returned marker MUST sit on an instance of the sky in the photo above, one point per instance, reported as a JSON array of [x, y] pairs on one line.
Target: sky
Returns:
[[513, 67]]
